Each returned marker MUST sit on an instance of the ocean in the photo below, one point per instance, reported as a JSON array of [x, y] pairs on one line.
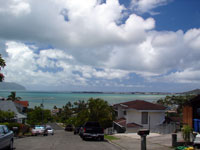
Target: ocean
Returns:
[[59, 99]]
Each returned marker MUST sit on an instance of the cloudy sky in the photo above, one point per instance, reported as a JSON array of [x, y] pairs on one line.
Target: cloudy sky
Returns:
[[101, 45]]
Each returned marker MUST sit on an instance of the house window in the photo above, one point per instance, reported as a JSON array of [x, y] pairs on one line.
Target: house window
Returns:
[[125, 113], [144, 117]]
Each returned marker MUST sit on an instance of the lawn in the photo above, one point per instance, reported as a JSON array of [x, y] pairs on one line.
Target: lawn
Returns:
[[110, 137]]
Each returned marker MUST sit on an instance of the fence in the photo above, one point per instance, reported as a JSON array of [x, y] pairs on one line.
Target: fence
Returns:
[[166, 128]]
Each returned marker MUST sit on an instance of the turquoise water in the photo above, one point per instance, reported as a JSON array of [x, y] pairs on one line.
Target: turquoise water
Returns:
[[51, 99]]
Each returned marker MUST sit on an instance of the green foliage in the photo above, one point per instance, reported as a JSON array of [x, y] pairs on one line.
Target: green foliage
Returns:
[[186, 131], [38, 116], [99, 110], [13, 97], [175, 101], [94, 110], [6, 116], [110, 138], [2, 65]]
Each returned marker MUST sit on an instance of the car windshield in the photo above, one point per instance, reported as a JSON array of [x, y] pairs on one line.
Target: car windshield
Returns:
[[39, 127]]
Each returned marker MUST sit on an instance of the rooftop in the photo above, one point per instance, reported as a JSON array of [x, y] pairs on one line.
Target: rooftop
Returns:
[[141, 105]]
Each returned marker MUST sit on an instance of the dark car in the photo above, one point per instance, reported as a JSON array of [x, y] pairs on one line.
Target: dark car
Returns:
[[6, 137], [92, 130], [77, 130], [69, 128]]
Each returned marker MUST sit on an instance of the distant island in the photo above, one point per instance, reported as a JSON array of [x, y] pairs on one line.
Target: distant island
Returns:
[[8, 86], [192, 92], [195, 92]]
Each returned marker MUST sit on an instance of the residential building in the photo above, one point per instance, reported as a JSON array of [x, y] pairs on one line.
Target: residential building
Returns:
[[22, 106], [137, 114], [10, 106]]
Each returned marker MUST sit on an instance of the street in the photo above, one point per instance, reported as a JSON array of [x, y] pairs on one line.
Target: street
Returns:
[[61, 140]]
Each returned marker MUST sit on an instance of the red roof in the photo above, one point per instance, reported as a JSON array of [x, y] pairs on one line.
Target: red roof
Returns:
[[122, 122], [141, 105], [24, 103]]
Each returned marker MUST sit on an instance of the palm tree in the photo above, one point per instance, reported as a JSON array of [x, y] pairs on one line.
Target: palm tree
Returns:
[[13, 97]]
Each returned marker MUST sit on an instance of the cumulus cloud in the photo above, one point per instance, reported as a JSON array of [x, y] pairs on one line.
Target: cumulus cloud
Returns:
[[91, 42], [50, 67]]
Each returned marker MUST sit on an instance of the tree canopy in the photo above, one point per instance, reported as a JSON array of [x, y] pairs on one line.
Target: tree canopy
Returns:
[[2, 65], [38, 115], [175, 102], [94, 110], [13, 97]]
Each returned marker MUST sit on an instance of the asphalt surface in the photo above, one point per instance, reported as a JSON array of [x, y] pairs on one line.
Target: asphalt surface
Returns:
[[61, 140]]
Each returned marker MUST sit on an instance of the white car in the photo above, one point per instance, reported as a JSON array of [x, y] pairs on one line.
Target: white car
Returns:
[[37, 130], [197, 140], [50, 130]]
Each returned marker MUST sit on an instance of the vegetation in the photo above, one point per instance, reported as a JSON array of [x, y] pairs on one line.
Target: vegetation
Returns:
[[13, 97], [6, 116], [93, 110], [175, 102], [38, 115], [186, 131], [2, 65], [110, 138]]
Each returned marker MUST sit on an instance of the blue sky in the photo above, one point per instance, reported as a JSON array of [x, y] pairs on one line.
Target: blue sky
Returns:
[[101, 45]]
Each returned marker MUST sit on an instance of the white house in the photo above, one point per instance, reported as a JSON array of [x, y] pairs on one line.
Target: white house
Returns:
[[10, 106], [138, 114]]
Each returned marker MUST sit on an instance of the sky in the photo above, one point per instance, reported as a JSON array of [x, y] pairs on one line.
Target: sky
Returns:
[[101, 45]]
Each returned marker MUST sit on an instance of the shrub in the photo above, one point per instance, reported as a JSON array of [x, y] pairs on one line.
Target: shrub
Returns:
[[186, 131]]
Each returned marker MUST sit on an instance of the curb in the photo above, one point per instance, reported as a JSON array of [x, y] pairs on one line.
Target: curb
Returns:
[[117, 145]]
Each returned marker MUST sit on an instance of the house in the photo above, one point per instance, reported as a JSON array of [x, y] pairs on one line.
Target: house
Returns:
[[191, 111], [10, 106], [22, 106], [137, 114]]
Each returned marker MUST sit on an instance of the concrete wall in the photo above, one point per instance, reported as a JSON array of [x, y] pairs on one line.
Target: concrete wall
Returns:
[[120, 112], [135, 116]]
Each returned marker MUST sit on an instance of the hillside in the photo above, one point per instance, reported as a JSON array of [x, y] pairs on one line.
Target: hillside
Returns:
[[196, 92], [11, 86]]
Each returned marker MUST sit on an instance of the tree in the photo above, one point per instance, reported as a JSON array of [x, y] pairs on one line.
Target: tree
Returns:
[[6, 116], [2, 65], [99, 110], [38, 116], [13, 97], [94, 110], [175, 101]]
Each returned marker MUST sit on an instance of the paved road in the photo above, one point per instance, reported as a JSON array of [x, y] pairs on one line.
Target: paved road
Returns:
[[61, 140]]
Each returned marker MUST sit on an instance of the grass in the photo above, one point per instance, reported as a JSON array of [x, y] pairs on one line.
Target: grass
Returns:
[[110, 137]]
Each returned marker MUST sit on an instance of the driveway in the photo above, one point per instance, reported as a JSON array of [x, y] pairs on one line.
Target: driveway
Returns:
[[61, 140]]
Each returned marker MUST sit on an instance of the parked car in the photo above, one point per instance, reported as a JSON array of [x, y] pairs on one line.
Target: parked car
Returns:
[[37, 130], [69, 128], [49, 130], [92, 130], [6, 137], [77, 130], [196, 142]]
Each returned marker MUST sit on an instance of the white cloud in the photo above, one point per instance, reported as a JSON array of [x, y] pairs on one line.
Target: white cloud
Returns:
[[15, 7], [91, 43], [143, 6], [50, 67]]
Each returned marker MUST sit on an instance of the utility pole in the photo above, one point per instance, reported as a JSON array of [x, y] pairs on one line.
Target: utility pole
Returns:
[[42, 105]]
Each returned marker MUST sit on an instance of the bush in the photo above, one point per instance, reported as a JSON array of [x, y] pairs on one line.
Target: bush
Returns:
[[186, 131]]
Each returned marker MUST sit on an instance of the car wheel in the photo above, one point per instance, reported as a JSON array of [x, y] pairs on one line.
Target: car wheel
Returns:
[[10, 147]]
